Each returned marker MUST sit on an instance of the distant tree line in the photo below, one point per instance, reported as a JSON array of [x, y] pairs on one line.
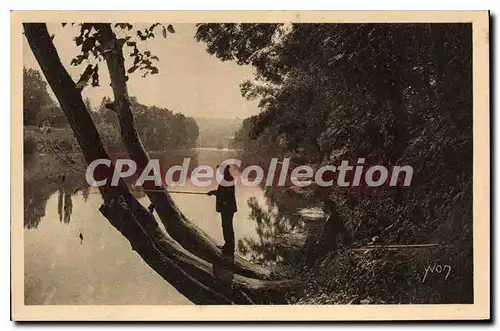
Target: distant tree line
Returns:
[[160, 128], [46, 127]]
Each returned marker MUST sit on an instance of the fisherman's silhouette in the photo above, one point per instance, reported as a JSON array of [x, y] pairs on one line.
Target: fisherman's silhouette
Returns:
[[226, 205]]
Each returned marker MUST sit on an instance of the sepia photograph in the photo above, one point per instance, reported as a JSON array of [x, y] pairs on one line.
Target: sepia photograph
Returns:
[[300, 165]]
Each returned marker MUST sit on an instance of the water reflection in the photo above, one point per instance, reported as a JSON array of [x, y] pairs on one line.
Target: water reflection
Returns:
[[64, 206], [72, 254], [46, 177], [276, 222], [37, 192], [63, 268]]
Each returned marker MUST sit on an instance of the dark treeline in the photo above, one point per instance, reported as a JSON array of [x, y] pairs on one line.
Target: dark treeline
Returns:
[[47, 130], [394, 94]]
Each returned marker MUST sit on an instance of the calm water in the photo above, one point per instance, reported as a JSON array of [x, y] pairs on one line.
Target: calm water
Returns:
[[60, 268]]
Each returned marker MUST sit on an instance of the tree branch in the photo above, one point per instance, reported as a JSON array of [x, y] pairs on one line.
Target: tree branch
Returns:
[[185, 232], [190, 275]]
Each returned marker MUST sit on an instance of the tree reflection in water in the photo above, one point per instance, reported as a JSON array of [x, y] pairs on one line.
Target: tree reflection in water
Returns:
[[38, 191], [46, 175], [279, 220]]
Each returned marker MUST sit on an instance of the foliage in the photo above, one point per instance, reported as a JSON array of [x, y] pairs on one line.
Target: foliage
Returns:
[[36, 98], [160, 128], [394, 94], [244, 43], [47, 130], [391, 277], [91, 50], [38, 107], [51, 140], [29, 145], [390, 93]]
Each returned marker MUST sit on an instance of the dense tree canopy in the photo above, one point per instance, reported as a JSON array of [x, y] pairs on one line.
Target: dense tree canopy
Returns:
[[393, 94], [390, 93]]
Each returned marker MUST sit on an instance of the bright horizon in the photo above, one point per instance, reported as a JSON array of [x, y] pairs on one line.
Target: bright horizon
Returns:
[[190, 81]]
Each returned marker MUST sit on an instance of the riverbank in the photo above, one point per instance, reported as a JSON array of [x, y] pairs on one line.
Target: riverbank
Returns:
[[49, 140], [57, 140], [367, 275], [378, 274]]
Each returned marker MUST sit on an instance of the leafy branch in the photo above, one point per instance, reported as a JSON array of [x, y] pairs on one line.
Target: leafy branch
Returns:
[[91, 51]]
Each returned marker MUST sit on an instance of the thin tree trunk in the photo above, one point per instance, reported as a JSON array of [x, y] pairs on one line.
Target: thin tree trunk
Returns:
[[68, 96], [181, 229], [189, 274]]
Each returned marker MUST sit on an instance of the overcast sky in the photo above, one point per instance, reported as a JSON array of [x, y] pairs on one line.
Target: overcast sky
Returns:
[[190, 81]]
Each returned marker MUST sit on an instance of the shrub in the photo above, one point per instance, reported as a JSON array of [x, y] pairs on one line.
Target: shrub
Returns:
[[29, 145]]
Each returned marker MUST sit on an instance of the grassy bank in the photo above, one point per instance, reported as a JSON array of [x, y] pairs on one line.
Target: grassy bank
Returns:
[[407, 276], [53, 140], [375, 275]]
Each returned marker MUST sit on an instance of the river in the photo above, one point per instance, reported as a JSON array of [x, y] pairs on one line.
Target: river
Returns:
[[60, 209]]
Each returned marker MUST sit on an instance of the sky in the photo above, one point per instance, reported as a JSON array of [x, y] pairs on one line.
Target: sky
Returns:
[[190, 81]]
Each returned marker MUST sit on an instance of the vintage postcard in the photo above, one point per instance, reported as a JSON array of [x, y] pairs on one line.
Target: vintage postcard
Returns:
[[244, 166]]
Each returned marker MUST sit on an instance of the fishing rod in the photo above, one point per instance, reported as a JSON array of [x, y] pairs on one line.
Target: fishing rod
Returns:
[[137, 191], [176, 192]]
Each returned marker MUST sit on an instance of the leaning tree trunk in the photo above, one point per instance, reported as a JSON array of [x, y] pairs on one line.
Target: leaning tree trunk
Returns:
[[178, 226], [190, 275]]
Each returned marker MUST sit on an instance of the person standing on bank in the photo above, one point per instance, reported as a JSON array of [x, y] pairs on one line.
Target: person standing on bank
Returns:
[[226, 205]]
